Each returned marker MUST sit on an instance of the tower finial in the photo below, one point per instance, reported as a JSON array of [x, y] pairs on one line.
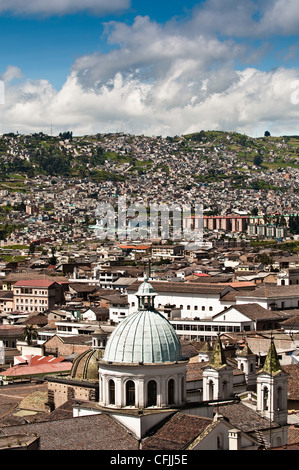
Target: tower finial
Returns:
[[272, 364], [218, 358]]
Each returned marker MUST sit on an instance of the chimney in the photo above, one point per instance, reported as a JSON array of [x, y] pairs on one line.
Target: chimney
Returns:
[[234, 439]]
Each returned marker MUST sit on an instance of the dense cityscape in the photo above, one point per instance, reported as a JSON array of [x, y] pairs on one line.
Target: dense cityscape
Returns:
[[232, 299], [149, 228]]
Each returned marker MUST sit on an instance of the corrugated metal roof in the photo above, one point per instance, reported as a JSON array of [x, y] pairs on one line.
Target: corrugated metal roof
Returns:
[[24, 370]]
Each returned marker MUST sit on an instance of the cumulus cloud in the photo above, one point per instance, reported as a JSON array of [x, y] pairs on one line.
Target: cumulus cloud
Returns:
[[166, 79], [251, 103], [250, 19], [61, 7], [155, 53], [11, 73]]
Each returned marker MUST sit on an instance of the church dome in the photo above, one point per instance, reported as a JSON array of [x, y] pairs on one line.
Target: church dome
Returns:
[[145, 289], [85, 365], [145, 336]]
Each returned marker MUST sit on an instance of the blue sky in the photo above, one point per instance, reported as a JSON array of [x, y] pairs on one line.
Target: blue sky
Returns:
[[149, 67], [46, 47]]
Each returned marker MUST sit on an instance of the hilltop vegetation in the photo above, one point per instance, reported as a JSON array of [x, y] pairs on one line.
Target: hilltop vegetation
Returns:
[[98, 158]]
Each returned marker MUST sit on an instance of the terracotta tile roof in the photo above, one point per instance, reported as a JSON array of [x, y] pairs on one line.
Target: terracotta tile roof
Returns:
[[177, 433], [293, 435], [96, 432], [82, 287], [195, 370], [13, 277], [10, 331], [293, 380], [293, 321], [272, 291], [181, 287], [34, 283], [256, 312], [244, 418]]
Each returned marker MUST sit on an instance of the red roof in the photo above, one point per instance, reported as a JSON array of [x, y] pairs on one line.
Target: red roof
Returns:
[[24, 370], [133, 247], [201, 274], [35, 360], [34, 283]]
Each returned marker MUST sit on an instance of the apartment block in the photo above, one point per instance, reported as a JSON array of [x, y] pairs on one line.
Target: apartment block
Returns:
[[36, 295]]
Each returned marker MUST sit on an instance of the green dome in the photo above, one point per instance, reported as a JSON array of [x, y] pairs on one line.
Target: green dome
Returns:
[[145, 336], [85, 365]]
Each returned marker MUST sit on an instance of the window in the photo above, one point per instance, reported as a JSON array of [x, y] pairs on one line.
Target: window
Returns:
[[210, 390], [265, 398], [152, 393], [130, 393], [220, 441], [171, 392], [111, 392]]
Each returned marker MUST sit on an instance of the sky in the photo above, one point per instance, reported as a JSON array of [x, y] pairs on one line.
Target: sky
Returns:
[[149, 67]]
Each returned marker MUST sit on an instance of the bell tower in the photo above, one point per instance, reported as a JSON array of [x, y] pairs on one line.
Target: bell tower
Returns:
[[272, 390], [217, 376], [246, 363]]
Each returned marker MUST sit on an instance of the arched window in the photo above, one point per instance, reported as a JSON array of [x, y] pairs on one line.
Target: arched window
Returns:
[[265, 398], [210, 390], [130, 393], [220, 441], [111, 392], [277, 441], [171, 392], [152, 393]]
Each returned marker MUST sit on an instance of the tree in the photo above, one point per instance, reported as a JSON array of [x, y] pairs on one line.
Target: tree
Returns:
[[258, 160], [30, 334], [53, 259], [267, 134]]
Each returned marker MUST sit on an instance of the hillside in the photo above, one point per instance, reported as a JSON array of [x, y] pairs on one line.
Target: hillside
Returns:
[[206, 157]]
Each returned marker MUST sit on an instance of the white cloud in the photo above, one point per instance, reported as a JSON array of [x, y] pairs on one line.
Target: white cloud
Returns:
[[11, 73], [251, 103], [280, 17], [167, 80], [246, 19], [61, 7]]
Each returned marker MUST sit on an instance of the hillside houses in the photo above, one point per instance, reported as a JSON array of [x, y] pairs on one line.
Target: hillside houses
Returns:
[[180, 170]]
